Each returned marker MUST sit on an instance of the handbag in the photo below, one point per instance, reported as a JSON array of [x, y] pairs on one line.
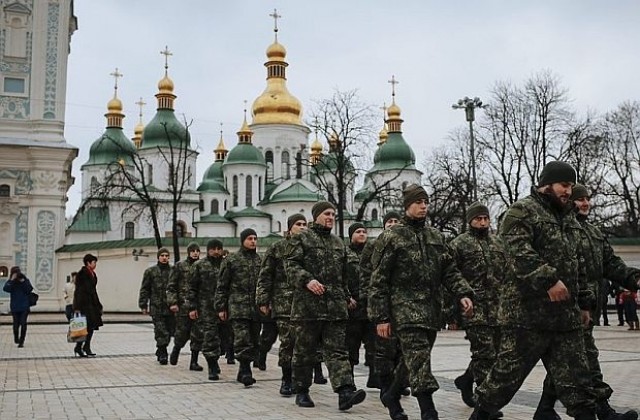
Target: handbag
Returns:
[[33, 298], [77, 329]]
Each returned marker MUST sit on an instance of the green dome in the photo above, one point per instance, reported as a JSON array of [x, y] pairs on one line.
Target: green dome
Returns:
[[245, 153], [213, 179], [111, 147], [164, 130], [395, 153], [329, 163]]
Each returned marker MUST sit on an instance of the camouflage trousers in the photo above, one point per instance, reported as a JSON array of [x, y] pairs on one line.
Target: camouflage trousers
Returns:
[[485, 341], [287, 340], [360, 331], [268, 336], [164, 326], [225, 332], [246, 339], [187, 329], [331, 336], [563, 355], [208, 325], [416, 345], [601, 389]]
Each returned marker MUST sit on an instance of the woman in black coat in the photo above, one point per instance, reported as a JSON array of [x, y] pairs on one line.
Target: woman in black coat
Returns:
[[19, 287], [87, 303]]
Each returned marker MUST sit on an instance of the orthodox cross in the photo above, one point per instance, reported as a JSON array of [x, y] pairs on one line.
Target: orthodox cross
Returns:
[[275, 17]]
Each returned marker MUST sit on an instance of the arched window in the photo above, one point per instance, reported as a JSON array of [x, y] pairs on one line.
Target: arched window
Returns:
[[286, 166], [5, 190], [225, 205], [129, 229], [201, 205], [4, 271], [181, 229], [279, 227], [150, 174], [268, 157], [374, 214], [94, 184], [234, 190], [249, 191], [259, 188], [215, 206], [299, 165]]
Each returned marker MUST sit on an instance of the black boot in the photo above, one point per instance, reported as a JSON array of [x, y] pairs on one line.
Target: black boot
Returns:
[[464, 383], [23, 335], [348, 396], [479, 414], [262, 361], [245, 376], [318, 377], [163, 357], [285, 387], [78, 350], [213, 368], [304, 400], [193, 365], [230, 356], [587, 415], [606, 412], [427, 407], [175, 354], [545, 410], [391, 400]]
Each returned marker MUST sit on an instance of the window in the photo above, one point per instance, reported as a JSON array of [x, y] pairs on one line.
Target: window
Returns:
[[268, 157], [225, 205], [150, 174], [14, 85], [249, 190], [298, 165], [201, 205], [5, 190], [234, 191], [215, 206], [4, 271], [374, 214], [181, 229], [94, 185], [259, 188], [129, 229], [286, 167]]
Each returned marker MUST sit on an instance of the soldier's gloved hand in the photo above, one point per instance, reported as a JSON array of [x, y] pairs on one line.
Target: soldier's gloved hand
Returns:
[[265, 309], [222, 315], [384, 329], [174, 308], [316, 287], [558, 292], [193, 315]]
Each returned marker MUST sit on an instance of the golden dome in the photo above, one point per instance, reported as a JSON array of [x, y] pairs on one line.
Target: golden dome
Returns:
[[393, 110], [276, 52], [316, 146], [138, 129], [221, 147], [114, 105], [165, 85], [384, 135]]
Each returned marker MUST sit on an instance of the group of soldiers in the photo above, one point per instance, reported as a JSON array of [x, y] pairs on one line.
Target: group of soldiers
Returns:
[[528, 294]]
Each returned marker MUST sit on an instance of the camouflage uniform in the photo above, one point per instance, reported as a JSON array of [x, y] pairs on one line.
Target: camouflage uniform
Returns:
[[202, 290], [178, 294], [153, 296], [359, 329], [319, 320], [410, 264], [482, 260], [544, 243]]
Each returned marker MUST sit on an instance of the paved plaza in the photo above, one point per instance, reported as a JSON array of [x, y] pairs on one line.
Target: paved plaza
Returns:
[[44, 381]]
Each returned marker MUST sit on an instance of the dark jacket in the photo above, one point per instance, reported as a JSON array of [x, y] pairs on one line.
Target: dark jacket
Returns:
[[85, 298], [19, 291]]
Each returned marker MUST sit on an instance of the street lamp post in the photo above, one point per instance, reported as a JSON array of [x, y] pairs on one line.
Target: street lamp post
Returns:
[[469, 105]]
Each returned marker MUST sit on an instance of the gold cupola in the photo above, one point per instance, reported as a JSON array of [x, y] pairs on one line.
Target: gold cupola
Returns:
[[165, 93], [316, 150], [394, 122], [114, 106], [221, 151], [245, 133], [139, 128], [276, 105], [384, 134]]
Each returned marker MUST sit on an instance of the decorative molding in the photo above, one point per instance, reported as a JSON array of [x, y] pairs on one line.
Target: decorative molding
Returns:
[[23, 185], [22, 236], [45, 181], [51, 65], [14, 108], [9, 207], [45, 247]]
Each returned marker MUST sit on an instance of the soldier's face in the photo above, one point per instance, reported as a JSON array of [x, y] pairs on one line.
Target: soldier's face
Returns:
[[562, 191], [391, 222], [418, 209], [327, 218], [194, 255], [163, 258], [299, 226], [480, 222], [583, 205], [215, 252], [359, 236], [251, 242]]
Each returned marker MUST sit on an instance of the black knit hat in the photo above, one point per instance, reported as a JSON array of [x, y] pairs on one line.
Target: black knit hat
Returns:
[[390, 215], [293, 219], [354, 227], [319, 207], [193, 246], [214, 243], [557, 171], [246, 233], [476, 209], [413, 193], [579, 191], [163, 250]]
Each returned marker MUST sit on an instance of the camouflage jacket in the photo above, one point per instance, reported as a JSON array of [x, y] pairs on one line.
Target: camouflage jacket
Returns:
[[411, 262], [544, 243], [178, 286], [273, 285], [236, 292], [483, 262], [365, 263], [602, 263], [354, 283], [317, 254], [203, 282], [153, 291]]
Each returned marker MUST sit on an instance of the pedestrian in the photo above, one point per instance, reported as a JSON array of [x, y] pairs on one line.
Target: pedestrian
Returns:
[[274, 293], [178, 301], [617, 294], [316, 265], [152, 300], [204, 277], [629, 300], [236, 301], [599, 261], [69, 289], [411, 263], [19, 287], [86, 302], [545, 305]]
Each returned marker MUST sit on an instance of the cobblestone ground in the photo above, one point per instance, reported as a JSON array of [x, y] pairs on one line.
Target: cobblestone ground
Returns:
[[44, 381]]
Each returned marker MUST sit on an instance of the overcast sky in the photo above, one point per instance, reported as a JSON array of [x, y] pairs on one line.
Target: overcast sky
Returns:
[[440, 51]]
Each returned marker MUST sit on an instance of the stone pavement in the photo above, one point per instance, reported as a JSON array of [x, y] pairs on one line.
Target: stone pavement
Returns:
[[44, 381]]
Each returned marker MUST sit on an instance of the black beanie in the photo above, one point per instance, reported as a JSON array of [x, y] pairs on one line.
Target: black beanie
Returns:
[[163, 250], [354, 227], [476, 209], [390, 215], [557, 171], [293, 219], [193, 246], [319, 207], [579, 191], [214, 243], [413, 193], [246, 233]]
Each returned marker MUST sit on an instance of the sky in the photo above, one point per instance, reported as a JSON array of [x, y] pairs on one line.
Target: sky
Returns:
[[439, 51]]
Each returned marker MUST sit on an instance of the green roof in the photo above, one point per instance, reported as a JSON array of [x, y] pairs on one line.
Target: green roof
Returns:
[[245, 153], [213, 179], [213, 218], [248, 212], [164, 130], [329, 163], [93, 219], [294, 193], [393, 154], [111, 147]]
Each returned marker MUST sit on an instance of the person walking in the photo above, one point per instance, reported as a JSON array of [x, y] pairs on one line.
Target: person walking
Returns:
[[19, 287], [69, 290], [86, 302]]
